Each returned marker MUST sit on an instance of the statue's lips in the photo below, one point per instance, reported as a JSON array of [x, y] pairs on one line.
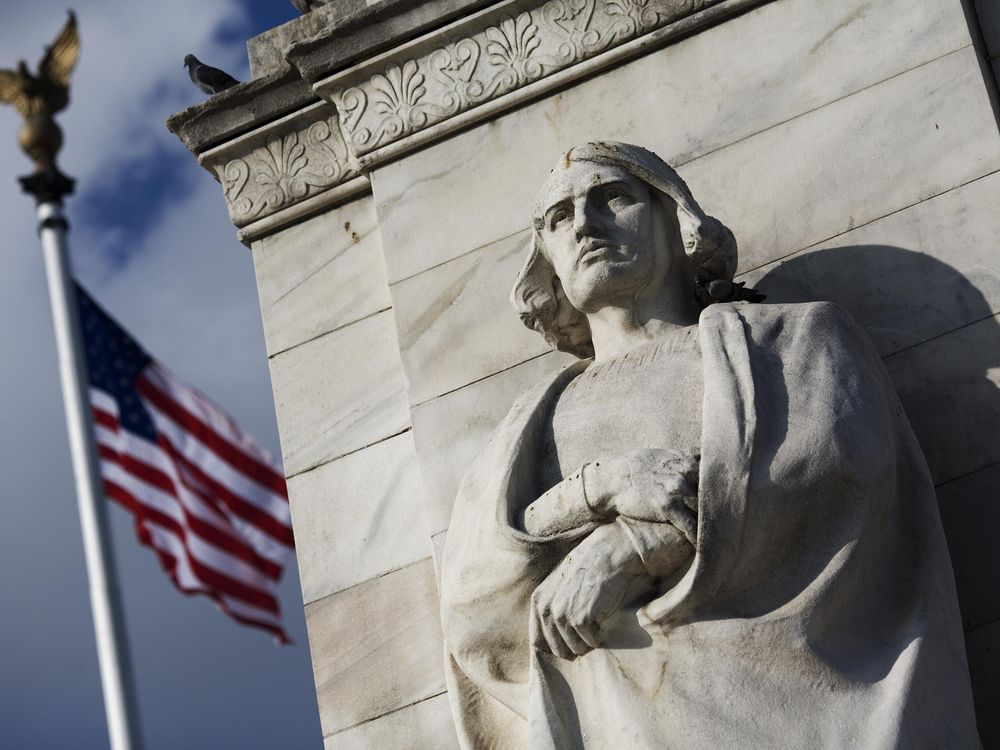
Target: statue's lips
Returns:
[[592, 252]]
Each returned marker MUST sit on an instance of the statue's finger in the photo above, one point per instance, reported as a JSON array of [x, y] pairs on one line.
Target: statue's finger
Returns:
[[573, 639], [590, 633], [554, 638]]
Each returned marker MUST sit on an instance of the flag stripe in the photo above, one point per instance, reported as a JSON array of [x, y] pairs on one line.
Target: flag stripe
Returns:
[[234, 502], [187, 583], [166, 501], [155, 388], [206, 410], [192, 495], [172, 533], [190, 474], [196, 452]]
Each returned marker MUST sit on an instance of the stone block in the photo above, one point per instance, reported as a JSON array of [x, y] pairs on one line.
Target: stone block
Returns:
[[358, 517], [452, 429], [736, 82], [950, 388], [426, 725], [909, 277], [455, 321], [376, 647], [852, 161], [970, 512], [338, 393], [983, 646], [320, 275]]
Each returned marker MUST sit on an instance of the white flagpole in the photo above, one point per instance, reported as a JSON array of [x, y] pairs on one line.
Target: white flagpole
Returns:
[[109, 622]]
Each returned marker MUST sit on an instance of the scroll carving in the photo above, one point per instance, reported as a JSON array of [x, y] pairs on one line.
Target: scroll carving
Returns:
[[493, 55], [284, 169]]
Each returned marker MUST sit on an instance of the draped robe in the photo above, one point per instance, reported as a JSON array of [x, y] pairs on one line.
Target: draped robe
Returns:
[[818, 610]]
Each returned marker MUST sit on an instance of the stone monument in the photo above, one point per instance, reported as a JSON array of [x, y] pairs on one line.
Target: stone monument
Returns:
[[734, 526], [379, 164]]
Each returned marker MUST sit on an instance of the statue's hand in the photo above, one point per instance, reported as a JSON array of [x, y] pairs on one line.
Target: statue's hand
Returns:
[[583, 591], [592, 581], [660, 486]]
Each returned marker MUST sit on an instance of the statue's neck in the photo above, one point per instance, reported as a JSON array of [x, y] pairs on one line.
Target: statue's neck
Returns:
[[617, 328]]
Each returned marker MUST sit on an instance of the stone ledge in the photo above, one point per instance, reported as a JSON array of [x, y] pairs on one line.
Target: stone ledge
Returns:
[[240, 109]]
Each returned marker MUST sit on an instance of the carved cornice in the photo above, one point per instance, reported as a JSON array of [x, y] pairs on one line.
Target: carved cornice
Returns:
[[282, 164], [475, 68], [485, 57]]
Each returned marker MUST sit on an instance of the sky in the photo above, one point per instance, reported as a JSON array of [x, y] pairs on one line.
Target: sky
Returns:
[[151, 240]]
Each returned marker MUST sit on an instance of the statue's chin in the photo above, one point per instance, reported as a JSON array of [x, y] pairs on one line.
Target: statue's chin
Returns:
[[607, 282]]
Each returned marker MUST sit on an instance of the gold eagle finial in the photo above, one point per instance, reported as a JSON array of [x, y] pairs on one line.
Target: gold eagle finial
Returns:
[[38, 97]]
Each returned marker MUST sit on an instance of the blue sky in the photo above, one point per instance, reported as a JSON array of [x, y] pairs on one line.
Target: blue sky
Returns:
[[152, 241]]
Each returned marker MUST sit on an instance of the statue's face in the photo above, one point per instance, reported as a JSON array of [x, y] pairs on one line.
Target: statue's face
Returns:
[[599, 233]]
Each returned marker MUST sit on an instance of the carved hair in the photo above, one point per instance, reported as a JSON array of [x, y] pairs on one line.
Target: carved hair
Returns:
[[538, 294]]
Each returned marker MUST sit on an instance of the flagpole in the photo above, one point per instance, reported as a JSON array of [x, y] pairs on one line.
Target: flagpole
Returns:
[[37, 98], [105, 601]]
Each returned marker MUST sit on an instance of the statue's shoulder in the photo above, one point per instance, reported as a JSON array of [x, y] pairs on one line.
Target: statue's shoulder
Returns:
[[813, 316], [794, 330]]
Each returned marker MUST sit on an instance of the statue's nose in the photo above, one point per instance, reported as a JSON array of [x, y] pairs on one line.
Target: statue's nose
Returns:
[[584, 222]]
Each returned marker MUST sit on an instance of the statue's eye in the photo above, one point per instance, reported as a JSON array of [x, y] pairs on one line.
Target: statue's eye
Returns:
[[559, 216], [616, 195]]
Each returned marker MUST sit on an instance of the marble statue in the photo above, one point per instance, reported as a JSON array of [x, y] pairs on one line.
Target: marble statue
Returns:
[[716, 530]]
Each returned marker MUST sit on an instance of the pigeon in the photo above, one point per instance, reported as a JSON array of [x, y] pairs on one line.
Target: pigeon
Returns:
[[304, 6], [208, 79], [720, 290]]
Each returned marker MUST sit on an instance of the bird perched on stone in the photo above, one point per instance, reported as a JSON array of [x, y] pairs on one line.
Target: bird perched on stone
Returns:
[[38, 97], [304, 6], [210, 80], [720, 290]]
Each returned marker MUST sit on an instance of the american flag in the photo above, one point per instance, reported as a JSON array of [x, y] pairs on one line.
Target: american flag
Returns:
[[207, 499]]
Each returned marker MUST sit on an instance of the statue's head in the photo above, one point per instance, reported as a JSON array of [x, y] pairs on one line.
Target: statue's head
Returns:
[[612, 222]]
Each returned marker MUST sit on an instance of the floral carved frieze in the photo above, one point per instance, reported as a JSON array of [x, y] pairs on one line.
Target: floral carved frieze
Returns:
[[263, 174], [483, 58]]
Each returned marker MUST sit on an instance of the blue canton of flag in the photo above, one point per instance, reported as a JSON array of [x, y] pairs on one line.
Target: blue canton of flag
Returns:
[[115, 362]]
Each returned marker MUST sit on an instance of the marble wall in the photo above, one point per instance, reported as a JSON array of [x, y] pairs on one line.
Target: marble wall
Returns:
[[362, 540], [852, 147]]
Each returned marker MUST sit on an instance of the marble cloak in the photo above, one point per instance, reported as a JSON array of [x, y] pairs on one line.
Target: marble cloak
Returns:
[[819, 610]]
